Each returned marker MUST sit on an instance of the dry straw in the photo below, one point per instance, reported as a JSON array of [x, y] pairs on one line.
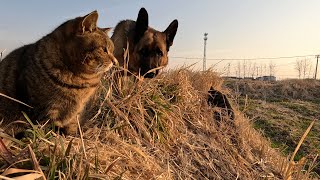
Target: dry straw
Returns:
[[155, 129]]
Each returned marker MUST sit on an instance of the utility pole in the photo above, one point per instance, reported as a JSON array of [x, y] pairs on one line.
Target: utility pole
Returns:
[[315, 75], [204, 53]]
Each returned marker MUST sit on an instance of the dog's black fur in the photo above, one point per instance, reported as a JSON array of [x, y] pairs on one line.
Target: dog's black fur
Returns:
[[217, 99]]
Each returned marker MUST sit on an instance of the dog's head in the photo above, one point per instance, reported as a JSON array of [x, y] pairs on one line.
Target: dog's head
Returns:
[[151, 46]]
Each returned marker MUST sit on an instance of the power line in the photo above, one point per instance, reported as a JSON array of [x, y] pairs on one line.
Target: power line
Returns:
[[280, 65], [241, 59], [256, 66]]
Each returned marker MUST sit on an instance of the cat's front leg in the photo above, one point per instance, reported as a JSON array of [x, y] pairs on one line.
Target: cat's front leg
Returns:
[[67, 127], [71, 128], [65, 120]]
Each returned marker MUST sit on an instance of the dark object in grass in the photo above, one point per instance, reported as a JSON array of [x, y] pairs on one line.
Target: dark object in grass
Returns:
[[217, 99]]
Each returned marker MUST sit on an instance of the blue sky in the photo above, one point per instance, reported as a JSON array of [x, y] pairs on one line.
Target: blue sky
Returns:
[[237, 28]]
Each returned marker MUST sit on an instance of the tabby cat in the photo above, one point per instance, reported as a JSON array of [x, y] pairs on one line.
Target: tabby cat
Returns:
[[57, 75]]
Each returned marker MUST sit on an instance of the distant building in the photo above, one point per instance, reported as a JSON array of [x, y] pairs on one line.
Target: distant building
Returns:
[[249, 78], [231, 77], [266, 78]]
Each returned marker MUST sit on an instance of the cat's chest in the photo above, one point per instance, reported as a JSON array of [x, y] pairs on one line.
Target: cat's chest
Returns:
[[82, 96]]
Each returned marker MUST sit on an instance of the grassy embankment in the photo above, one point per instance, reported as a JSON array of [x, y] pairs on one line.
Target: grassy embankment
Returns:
[[161, 129]]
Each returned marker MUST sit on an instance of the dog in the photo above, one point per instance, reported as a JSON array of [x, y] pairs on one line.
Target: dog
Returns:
[[217, 99], [141, 49]]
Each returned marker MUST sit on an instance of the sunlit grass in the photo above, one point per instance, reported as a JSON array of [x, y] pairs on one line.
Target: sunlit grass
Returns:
[[153, 129]]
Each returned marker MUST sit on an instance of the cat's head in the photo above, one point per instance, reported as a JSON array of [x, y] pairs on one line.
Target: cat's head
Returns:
[[87, 48]]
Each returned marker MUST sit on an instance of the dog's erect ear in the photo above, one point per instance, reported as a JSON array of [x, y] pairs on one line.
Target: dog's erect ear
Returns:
[[141, 24], [88, 23], [171, 32]]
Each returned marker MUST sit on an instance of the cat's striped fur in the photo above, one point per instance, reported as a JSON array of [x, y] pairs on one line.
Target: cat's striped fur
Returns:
[[56, 75]]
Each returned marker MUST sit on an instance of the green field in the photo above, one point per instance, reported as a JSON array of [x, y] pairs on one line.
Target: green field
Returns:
[[282, 111]]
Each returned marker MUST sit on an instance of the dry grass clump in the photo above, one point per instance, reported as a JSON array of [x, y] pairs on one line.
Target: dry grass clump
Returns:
[[303, 89], [156, 129]]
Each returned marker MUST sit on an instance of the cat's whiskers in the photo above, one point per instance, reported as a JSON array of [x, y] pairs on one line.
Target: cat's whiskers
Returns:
[[85, 58], [99, 68]]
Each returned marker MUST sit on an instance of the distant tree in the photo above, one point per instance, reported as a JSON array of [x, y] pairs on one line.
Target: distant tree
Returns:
[[244, 68], [239, 69], [261, 69], [310, 73], [306, 66], [265, 71], [298, 67], [303, 67], [272, 68], [228, 69], [253, 69]]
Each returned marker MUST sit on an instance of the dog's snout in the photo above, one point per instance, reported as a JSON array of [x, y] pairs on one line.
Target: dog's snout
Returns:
[[150, 75]]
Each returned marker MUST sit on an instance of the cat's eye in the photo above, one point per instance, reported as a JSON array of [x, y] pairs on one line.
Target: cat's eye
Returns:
[[105, 49]]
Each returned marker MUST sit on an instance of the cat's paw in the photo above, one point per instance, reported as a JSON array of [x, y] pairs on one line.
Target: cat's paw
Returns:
[[71, 129]]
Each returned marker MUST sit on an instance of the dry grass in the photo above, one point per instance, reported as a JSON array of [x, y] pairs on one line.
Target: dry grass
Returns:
[[156, 129], [306, 89], [283, 110]]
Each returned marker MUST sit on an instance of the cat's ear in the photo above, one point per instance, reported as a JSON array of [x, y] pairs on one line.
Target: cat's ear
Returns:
[[141, 24], [171, 32], [106, 30], [89, 22]]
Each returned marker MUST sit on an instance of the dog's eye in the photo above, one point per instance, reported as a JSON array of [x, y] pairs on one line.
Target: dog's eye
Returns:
[[92, 48], [144, 52], [159, 52]]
